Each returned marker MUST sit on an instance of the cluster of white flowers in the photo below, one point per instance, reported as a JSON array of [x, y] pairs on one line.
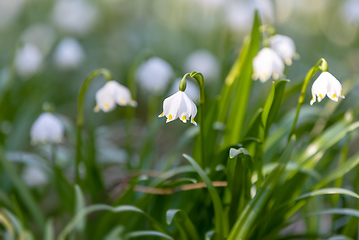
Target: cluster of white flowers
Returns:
[[270, 61]]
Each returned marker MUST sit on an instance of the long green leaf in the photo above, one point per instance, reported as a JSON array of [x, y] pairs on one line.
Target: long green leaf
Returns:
[[247, 220], [183, 223], [221, 224], [327, 191], [141, 234], [80, 206], [238, 85]]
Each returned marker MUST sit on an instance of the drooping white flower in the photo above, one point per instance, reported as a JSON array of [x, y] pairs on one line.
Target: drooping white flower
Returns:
[[179, 105], [267, 64], [154, 74], [192, 89], [204, 62], [34, 177], [284, 46], [28, 60], [113, 93], [326, 85], [75, 16], [47, 129], [69, 54]]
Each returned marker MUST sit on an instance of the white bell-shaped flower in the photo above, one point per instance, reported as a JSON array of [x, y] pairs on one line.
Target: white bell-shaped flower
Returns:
[[284, 46], [47, 129], [204, 62], [326, 85], [179, 105], [69, 54], [154, 74], [28, 60], [111, 94], [267, 63]]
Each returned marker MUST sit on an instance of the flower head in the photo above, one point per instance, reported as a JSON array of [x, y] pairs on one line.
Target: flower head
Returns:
[[326, 84], [284, 46], [34, 176], [204, 62], [47, 129], [179, 105], [112, 93], [267, 63], [192, 90], [154, 74], [69, 54], [28, 60]]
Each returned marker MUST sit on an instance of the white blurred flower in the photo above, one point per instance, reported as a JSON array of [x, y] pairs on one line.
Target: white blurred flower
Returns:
[[28, 60], [34, 176], [192, 89], [112, 93], [154, 74], [239, 15], [204, 62], [9, 10], [284, 46], [350, 11], [41, 35], [267, 63], [326, 84], [179, 105], [47, 129], [69, 54], [75, 16]]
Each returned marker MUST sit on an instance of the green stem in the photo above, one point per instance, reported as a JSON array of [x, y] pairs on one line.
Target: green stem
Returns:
[[80, 119], [310, 74], [200, 82]]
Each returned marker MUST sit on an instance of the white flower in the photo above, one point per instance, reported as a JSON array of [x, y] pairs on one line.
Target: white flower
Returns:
[[47, 129], [69, 54], [179, 105], [326, 84], [112, 93], [75, 16], [284, 47], [154, 74], [204, 62], [192, 90], [28, 60], [34, 176], [267, 63]]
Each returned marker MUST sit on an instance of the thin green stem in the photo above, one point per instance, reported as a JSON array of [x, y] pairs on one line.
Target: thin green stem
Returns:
[[310, 74], [80, 115], [200, 82]]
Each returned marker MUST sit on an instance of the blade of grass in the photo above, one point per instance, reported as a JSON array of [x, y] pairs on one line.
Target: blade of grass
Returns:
[[183, 223]]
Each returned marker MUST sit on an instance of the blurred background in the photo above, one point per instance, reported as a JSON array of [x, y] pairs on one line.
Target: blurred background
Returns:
[[47, 48]]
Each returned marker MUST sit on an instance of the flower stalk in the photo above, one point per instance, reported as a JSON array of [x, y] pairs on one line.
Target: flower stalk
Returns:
[[200, 82], [80, 114], [320, 65]]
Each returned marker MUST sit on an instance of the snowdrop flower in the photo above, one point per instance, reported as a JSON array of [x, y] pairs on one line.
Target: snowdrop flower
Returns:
[[326, 84], [154, 74], [34, 177], [204, 62], [267, 63], [284, 46], [28, 60], [192, 89], [69, 54], [179, 105], [47, 129], [112, 93], [75, 16]]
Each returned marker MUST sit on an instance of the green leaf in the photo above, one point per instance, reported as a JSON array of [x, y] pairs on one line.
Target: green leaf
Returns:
[[272, 104], [249, 217], [183, 223], [49, 232], [80, 206], [221, 225], [237, 88], [327, 191], [102, 207], [137, 234]]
